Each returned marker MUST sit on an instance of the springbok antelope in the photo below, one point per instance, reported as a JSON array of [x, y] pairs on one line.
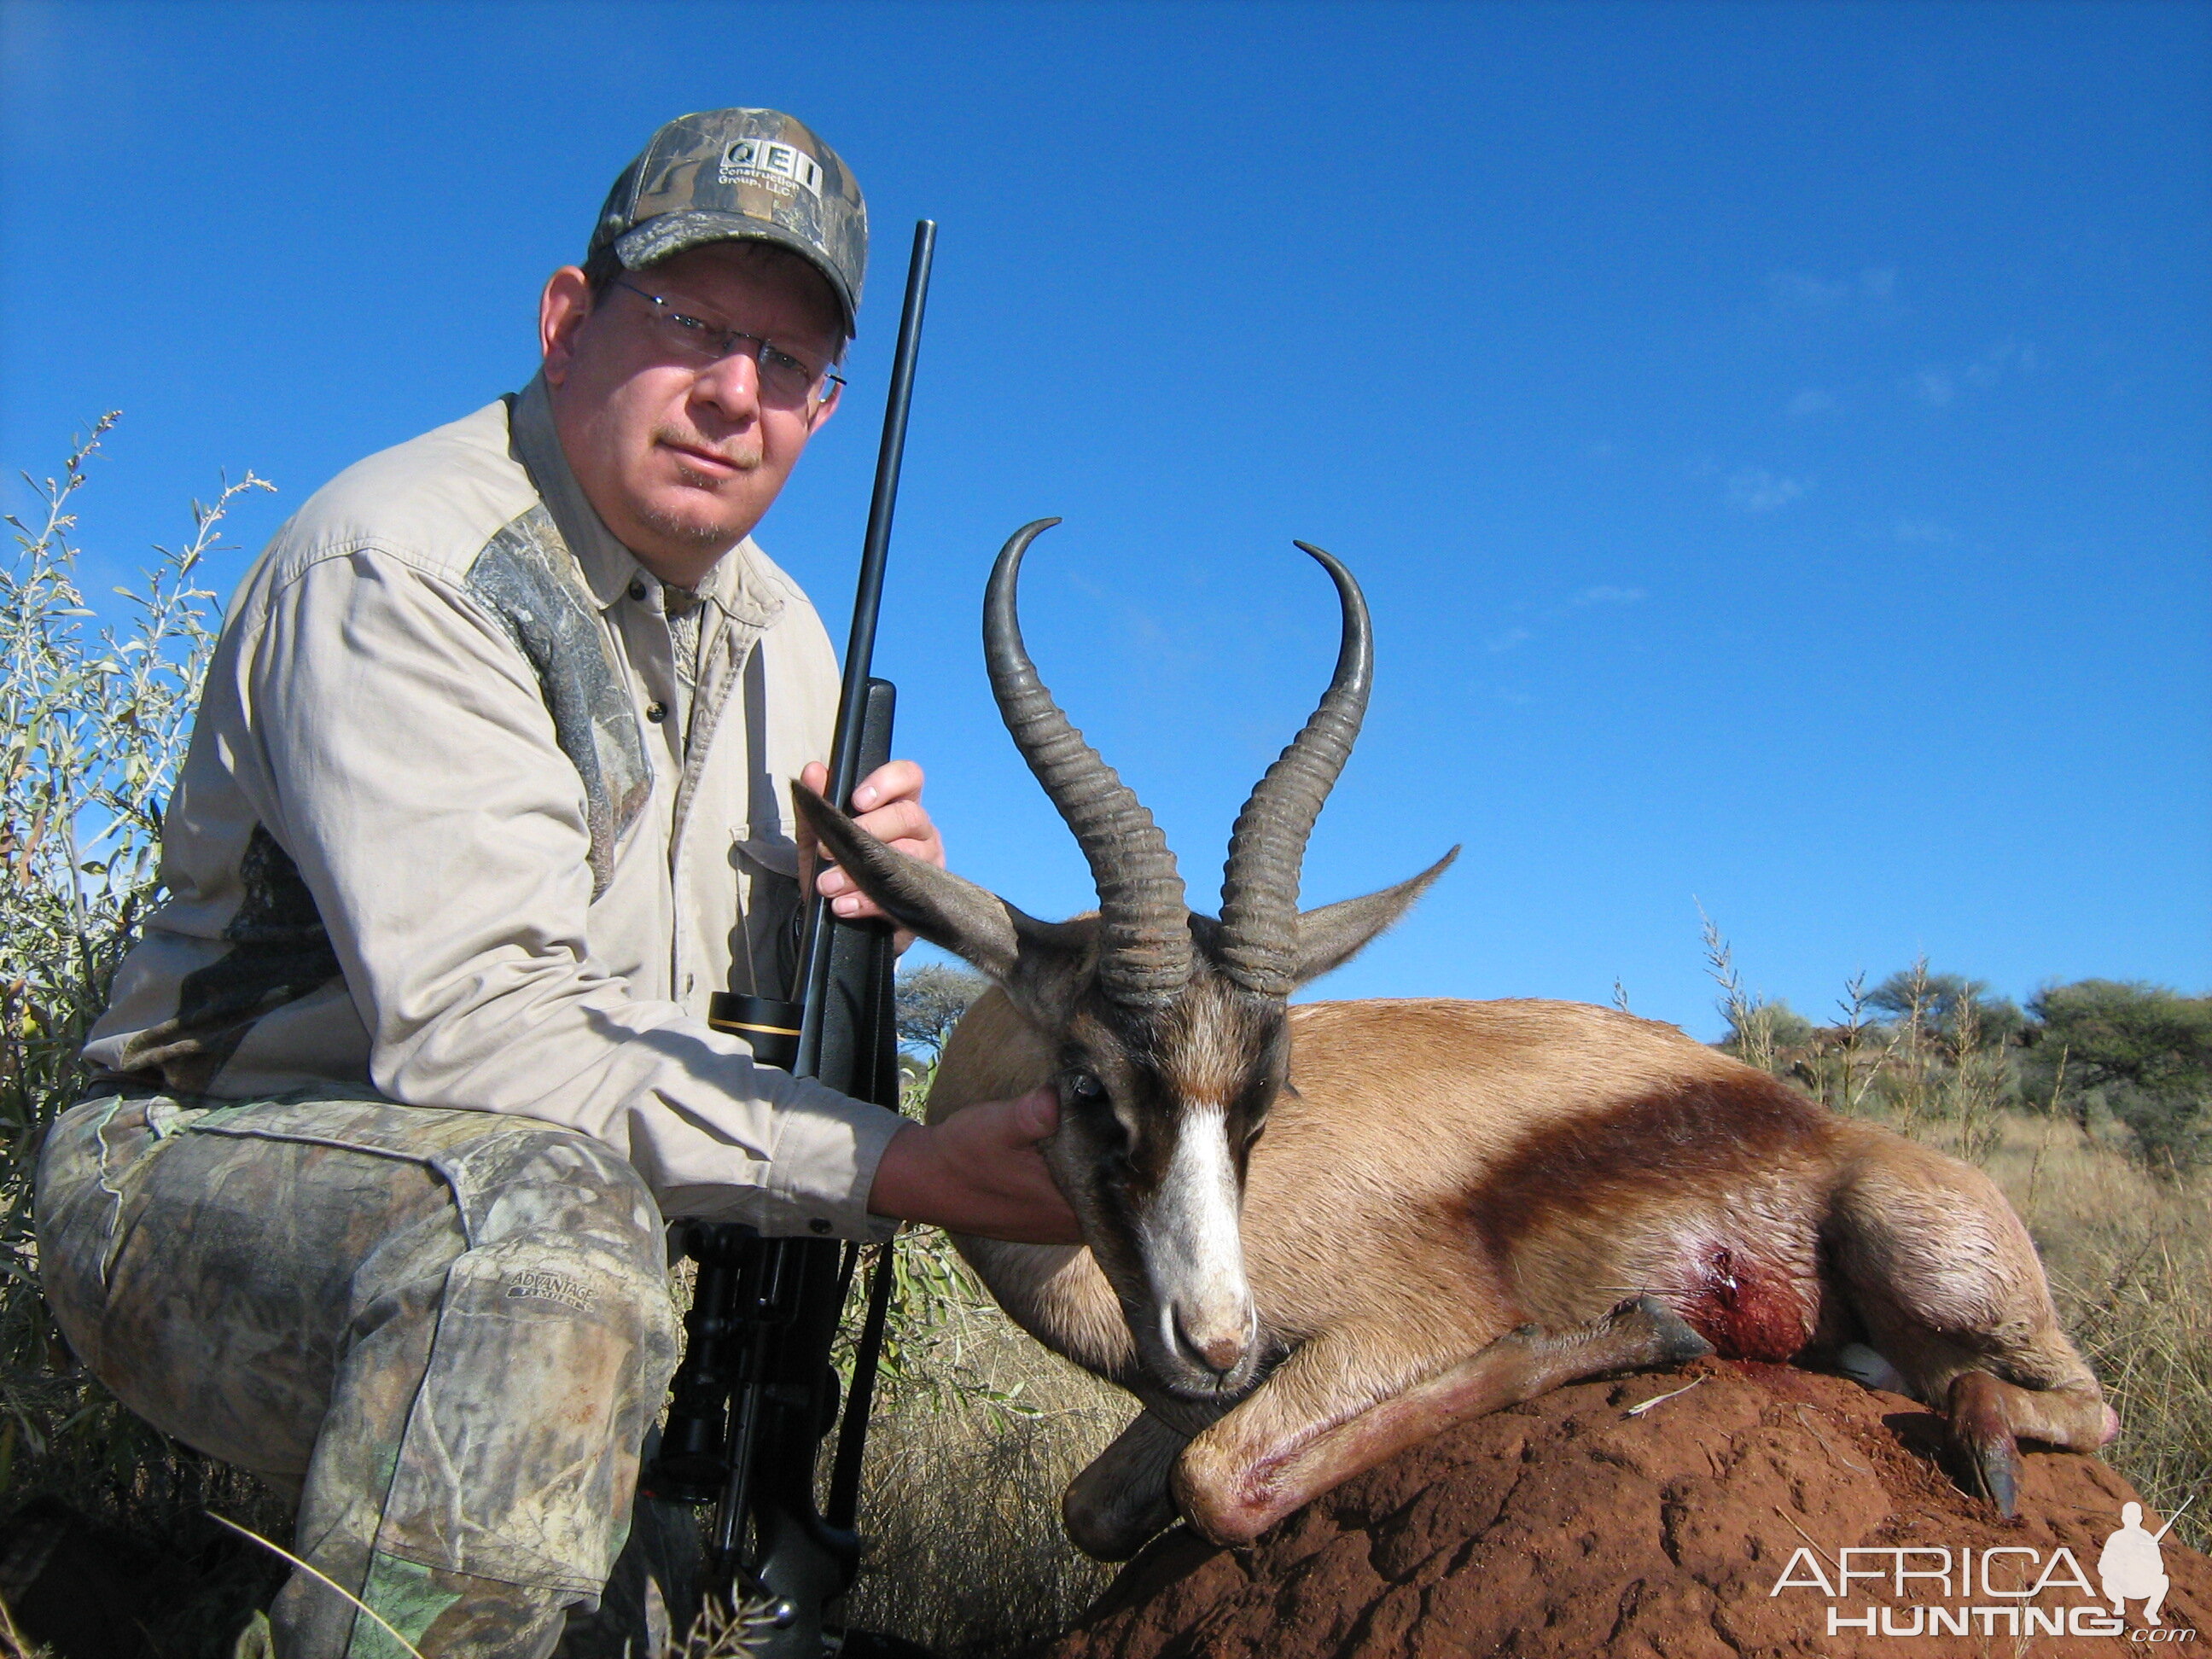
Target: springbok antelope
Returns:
[[1454, 1206]]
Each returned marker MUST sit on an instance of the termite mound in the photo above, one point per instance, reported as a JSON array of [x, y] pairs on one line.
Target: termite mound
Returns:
[[1566, 1527]]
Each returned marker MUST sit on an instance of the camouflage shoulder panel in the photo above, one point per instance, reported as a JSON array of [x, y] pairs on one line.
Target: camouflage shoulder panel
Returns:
[[526, 578]]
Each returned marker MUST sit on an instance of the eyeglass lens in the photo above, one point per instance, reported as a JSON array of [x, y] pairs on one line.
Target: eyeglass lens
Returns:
[[785, 381]]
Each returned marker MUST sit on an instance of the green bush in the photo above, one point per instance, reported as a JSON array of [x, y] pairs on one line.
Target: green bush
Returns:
[[95, 721]]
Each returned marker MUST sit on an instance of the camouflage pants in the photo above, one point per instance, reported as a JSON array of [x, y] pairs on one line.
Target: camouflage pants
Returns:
[[448, 1331]]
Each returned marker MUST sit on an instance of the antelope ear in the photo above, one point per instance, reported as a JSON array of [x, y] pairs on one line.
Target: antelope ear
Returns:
[[1035, 961], [1331, 936]]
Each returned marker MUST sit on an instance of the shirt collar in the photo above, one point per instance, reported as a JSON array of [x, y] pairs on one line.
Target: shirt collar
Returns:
[[608, 567], [739, 583]]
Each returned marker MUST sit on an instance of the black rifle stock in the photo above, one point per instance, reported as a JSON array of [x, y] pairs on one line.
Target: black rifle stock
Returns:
[[756, 1393]]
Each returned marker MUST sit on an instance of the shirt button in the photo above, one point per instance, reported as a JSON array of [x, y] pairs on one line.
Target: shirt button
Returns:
[[656, 712], [818, 1225], [637, 589]]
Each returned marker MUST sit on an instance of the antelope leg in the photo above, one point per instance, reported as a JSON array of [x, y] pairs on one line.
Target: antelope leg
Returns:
[[1945, 1280], [1305, 1429], [1122, 1499]]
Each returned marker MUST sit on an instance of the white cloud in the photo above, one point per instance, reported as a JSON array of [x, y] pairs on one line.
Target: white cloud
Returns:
[[1604, 595], [1934, 386], [1800, 290], [1922, 532], [2007, 356], [1508, 640], [1938, 383], [1752, 489], [1810, 402]]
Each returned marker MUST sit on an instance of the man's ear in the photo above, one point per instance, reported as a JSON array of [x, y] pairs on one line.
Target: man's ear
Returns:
[[1039, 963], [1331, 936], [560, 311]]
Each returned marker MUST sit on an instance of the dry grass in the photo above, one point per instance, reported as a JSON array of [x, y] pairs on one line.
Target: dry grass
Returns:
[[960, 1500], [2130, 1259]]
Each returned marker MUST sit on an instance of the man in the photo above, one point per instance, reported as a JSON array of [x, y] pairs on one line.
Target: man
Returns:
[[488, 794]]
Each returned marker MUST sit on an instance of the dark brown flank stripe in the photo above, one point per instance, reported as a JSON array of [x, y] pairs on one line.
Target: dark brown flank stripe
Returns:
[[1697, 1136], [1694, 1135]]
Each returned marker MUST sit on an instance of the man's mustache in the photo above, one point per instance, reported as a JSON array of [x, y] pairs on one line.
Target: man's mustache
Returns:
[[744, 453]]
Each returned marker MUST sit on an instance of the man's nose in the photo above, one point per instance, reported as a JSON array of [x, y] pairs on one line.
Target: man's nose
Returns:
[[731, 385]]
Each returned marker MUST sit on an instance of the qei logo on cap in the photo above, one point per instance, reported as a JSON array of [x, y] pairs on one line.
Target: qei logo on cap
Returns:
[[763, 160]]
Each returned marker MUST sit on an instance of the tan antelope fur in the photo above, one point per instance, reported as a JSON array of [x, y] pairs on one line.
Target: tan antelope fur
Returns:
[[1454, 1206]]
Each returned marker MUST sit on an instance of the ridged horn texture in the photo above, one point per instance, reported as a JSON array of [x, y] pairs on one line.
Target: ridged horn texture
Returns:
[[1259, 883], [1144, 943]]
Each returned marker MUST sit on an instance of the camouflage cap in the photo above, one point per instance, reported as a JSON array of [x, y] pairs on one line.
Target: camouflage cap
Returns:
[[735, 175]]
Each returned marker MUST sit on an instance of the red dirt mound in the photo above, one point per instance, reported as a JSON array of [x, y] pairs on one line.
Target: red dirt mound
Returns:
[[1564, 1527]]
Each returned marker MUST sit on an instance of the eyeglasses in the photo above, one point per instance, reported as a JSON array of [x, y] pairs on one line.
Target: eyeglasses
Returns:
[[787, 379]]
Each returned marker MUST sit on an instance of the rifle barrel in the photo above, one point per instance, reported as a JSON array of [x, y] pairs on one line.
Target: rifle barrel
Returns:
[[763, 1432], [861, 644]]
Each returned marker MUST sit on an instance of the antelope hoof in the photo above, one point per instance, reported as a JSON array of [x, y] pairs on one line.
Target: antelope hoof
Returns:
[[1870, 1369], [1122, 1499], [1666, 1340], [1982, 1441], [1108, 1530], [1993, 1468]]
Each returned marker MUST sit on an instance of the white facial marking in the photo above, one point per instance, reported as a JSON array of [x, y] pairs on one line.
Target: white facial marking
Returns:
[[1193, 1254]]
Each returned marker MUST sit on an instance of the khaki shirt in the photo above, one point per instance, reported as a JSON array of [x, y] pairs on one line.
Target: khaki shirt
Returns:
[[458, 824]]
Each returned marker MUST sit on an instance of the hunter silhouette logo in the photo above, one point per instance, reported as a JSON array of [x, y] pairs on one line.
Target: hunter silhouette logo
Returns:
[[2130, 1565], [2002, 1591]]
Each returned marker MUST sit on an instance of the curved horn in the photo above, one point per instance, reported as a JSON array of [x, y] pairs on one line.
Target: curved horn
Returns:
[[1259, 883], [1144, 945]]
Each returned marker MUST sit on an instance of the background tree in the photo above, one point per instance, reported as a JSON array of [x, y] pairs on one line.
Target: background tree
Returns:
[[2143, 1051], [95, 711], [1946, 1003], [930, 1000]]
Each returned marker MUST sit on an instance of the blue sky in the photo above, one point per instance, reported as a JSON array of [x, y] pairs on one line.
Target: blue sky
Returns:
[[1776, 439]]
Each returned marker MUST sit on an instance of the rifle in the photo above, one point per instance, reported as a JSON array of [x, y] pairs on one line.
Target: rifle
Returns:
[[756, 1394]]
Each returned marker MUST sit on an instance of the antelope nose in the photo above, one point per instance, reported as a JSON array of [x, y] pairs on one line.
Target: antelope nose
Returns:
[[1214, 1345]]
